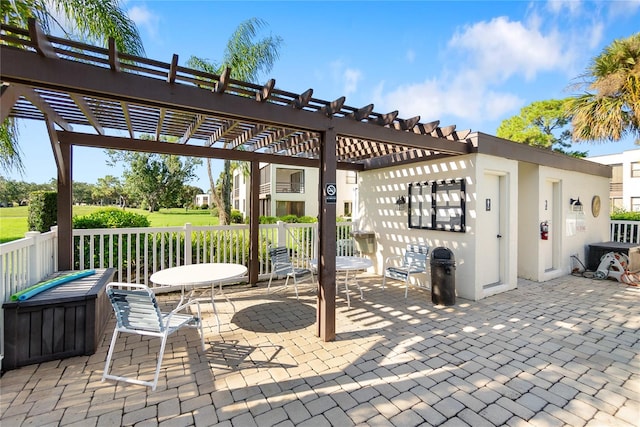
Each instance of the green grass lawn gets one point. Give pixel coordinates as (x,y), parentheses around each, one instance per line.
(13,221)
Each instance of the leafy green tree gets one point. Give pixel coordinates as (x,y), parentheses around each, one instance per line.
(82,193)
(156,180)
(247,58)
(609,108)
(541,124)
(91,20)
(108,190)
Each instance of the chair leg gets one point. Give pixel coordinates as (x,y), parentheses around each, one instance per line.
(110,354)
(160,356)
(406,287)
(384,280)
(269,285)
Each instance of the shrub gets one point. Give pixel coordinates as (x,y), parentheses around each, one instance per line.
(43,210)
(621,214)
(204,206)
(236,217)
(110,218)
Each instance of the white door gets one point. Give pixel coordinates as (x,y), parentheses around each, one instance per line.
(489,231)
(547,216)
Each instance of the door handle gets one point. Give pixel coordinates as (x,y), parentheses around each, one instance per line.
(499,236)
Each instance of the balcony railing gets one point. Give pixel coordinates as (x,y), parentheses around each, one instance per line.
(290,187)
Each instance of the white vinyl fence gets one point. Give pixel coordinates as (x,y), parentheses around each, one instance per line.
(137,253)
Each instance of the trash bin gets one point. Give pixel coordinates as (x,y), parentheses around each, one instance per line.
(443,277)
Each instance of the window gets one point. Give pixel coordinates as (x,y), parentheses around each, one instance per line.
(616,203)
(289,208)
(348,207)
(352,177)
(635,204)
(437,205)
(635,169)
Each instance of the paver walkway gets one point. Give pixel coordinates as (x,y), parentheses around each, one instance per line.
(564,352)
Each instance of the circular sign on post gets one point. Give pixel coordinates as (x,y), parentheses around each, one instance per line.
(330,192)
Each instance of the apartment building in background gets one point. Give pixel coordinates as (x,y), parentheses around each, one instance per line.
(292,190)
(624,187)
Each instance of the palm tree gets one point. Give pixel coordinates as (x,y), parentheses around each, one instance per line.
(247,58)
(93,20)
(610,107)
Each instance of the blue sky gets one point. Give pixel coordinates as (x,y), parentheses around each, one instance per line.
(468,63)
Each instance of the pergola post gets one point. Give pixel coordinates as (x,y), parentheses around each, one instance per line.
(254,223)
(65,209)
(326,312)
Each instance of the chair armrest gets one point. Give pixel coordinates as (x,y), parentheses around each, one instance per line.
(390,258)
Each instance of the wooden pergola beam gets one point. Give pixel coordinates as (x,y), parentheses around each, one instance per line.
(127,118)
(265,93)
(303,99)
(163,112)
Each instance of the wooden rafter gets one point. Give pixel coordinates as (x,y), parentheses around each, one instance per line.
(303,99)
(40,41)
(114,60)
(265,93)
(269,140)
(226,127)
(361,113)
(222,84)
(163,112)
(443,132)
(127,117)
(193,127)
(88,113)
(387,119)
(333,107)
(246,136)
(173,69)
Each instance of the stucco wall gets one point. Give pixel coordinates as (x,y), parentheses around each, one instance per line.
(378,191)
(520,191)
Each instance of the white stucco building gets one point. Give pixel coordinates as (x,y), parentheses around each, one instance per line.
(290,190)
(488,207)
(624,189)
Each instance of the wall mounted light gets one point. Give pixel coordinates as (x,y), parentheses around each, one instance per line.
(401,203)
(576,205)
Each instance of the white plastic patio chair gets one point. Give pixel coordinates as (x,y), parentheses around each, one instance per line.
(137,312)
(282,266)
(402,267)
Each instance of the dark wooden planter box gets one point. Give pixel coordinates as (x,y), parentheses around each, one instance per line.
(64,321)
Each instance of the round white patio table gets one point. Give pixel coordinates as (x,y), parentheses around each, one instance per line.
(349,265)
(193,276)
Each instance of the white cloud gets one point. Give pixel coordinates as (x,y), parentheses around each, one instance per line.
(502,48)
(351,79)
(345,77)
(573,7)
(145,19)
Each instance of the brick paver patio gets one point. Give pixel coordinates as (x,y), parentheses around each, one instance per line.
(564,352)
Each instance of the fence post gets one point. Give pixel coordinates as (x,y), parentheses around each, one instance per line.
(35,256)
(187,243)
(282,233)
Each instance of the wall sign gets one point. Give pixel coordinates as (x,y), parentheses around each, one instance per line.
(330,192)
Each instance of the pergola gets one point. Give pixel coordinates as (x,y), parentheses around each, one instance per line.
(116,98)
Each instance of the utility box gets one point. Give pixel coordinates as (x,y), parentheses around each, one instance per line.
(597,250)
(365,241)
